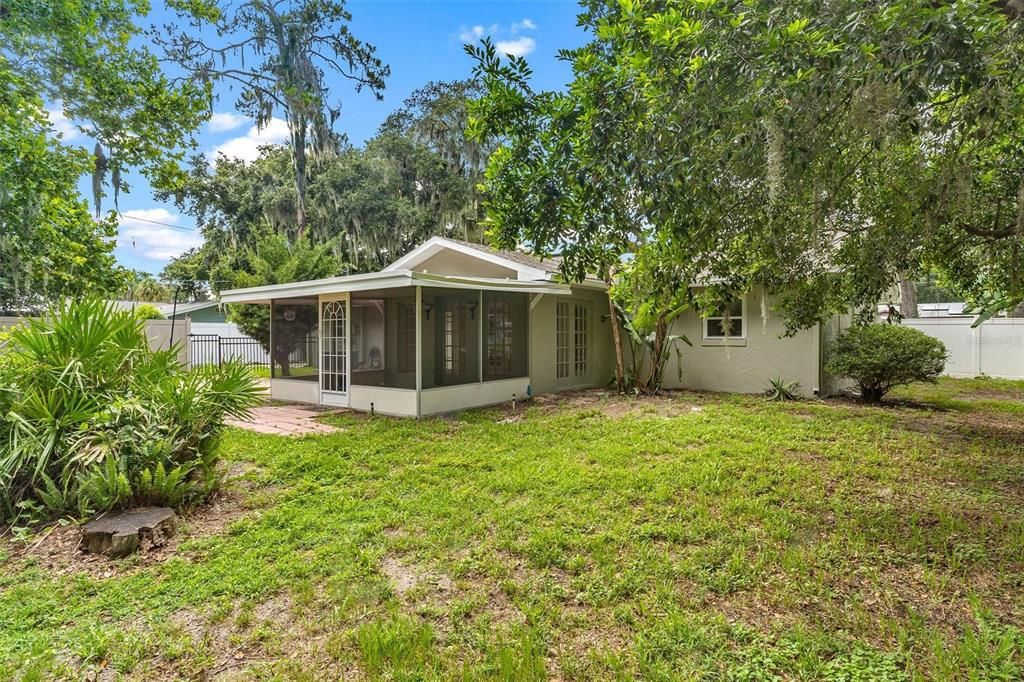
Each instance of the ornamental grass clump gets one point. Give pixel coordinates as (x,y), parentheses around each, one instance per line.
(879,357)
(92,419)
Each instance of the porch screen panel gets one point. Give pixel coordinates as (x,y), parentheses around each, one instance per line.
(406,336)
(333,347)
(505,335)
(292,340)
(454,340)
(451,337)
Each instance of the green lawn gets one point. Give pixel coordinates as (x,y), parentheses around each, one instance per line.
(264,372)
(690,537)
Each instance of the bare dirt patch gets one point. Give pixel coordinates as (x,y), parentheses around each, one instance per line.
(57,549)
(610,404)
(405,576)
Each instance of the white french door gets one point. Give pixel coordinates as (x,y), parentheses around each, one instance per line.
(572,343)
(334,352)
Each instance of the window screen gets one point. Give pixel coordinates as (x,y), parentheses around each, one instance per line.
(406,336)
(454,339)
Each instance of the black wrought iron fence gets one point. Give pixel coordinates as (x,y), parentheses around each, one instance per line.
(212,349)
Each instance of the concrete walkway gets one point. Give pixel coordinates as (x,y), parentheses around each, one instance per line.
(284,420)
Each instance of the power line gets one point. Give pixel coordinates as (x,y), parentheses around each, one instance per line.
(157,222)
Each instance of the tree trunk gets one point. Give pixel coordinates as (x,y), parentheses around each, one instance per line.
(282,361)
(620,373)
(1017,311)
(908,297)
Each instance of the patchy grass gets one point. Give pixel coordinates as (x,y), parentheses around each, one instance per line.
(591,537)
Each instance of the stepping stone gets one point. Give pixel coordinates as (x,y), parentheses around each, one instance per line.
(119,533)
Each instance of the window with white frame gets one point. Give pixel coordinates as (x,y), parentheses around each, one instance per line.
(572,340)
(726,321)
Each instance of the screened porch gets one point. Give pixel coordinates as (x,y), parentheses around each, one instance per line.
(443,345)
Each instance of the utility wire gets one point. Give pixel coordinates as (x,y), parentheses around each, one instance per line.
(157,222)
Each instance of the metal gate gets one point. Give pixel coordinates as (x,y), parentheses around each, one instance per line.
(211,349)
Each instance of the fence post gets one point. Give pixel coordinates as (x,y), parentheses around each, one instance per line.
(220,351)
(976,360)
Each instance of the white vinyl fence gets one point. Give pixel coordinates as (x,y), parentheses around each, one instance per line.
(994,348)
(158,332)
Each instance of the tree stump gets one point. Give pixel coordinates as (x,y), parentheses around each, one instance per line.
(118,534)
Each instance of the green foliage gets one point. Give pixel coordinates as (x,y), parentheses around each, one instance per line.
(817,150)
(142,286)
(650,292)
(281,57)
(147,311)
(371,205)
(879,357)
(50,245)
(782,390)
(273,261)
(92,418)
(90,57)
(184,274)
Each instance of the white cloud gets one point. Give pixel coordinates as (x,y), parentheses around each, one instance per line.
(153,240)
(247,147)
(519,47)
(62,125)
(472,34)
(508,39)
(526,24)
(222,121)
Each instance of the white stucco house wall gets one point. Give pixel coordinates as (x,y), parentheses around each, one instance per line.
(453,325)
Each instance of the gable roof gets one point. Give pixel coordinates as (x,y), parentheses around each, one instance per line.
(526,266)
(551,264)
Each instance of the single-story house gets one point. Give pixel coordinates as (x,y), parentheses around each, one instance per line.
(453,325)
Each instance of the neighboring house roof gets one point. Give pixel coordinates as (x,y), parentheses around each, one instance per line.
(166,308)
(187,308)
(951,309)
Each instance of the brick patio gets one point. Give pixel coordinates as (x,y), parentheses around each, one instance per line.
(285,420)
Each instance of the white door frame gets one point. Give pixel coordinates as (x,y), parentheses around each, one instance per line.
(335,398)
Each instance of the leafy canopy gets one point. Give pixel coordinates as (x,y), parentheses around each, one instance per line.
(50,246)
(279,55)
(817,149)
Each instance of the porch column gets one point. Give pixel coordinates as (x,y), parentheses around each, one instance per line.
(270,336)
(419,347)
(480,345)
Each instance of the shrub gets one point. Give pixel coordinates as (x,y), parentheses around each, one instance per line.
(148,311)
(92,419)
(878,357)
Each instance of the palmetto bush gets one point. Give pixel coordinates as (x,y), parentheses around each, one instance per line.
(92,419)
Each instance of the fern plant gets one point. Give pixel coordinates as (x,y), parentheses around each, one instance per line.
(86,407)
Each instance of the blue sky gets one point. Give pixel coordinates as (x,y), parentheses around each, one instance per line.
(420,39)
